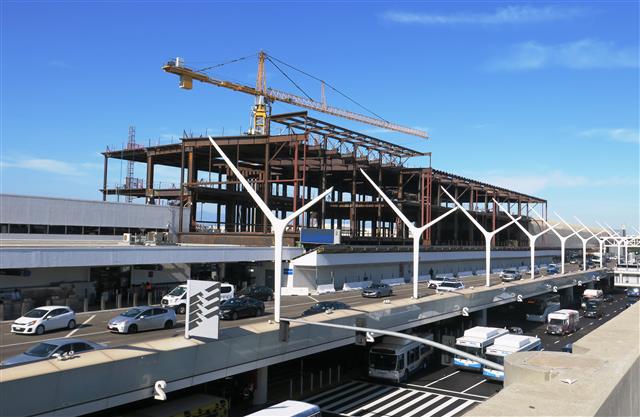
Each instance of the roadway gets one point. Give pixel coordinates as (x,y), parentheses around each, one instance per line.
(92,326)
(444,391)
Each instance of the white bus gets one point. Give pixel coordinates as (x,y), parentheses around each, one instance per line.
(506,345)
(474,341)
(394,358)
(538,308)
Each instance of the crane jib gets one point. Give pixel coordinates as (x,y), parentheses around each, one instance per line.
(187,75)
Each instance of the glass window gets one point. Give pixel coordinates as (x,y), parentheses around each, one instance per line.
(121,230)
(132,312)
(74,230)
(225,289)
(81,347)
(39,229)
(57,230)
(18,228)
(107,231)
(4,228)
(65,348)
(91,230)
(36,313)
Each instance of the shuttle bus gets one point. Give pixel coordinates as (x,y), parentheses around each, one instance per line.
(506,345)
(474,341)
(538,308)
(394,358)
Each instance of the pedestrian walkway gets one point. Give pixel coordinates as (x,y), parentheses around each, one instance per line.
(363,399)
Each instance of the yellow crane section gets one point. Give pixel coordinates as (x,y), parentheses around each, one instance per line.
(187,75)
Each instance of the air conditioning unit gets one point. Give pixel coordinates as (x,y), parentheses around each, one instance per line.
(128,238)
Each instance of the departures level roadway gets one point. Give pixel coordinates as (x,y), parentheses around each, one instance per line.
(92,326)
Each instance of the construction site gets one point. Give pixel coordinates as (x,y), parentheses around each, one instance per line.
(306,157)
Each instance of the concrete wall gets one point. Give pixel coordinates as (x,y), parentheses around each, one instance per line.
(20,209)
(115,376)
(44,277)
(604,369)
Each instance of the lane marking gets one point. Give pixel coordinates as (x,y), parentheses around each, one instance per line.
(314,299)
(557,341)
(72,332)
(447,390)
(444,377)
(473,386)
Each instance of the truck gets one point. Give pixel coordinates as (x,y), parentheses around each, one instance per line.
(563,322)
(592,301)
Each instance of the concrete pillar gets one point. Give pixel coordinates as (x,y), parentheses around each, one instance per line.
(567,295)
(260,394)
(480,318)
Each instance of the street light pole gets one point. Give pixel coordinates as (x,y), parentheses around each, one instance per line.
(416,232)
(487,236)
(532,237)
(278,226)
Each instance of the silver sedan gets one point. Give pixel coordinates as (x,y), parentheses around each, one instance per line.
(377,290)
(143,318)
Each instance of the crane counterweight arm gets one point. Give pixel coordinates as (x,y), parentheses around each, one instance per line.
(187,76)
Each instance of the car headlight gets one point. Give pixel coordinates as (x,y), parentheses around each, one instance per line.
(31,323)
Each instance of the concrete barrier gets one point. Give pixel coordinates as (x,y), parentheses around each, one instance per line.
(294,291)
(325,289)
(447,275)
(481,272)
(464,274)
(424,278)
(393,281)
(600,378)
(496,270)
(358,285)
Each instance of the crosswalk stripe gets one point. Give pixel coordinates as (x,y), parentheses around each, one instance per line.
(458,409)
(420,399)
(325,393)
(433,412)
(389,397)
(420,409)
(380,412)
(363,400)
(352,398)
(389,408)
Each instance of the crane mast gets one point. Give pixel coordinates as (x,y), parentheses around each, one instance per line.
(265,96)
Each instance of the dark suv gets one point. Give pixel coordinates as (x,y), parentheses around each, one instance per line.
(258,292)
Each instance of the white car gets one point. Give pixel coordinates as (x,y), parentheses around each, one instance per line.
(439,280)
(510,274)
(44,319)
(177,298)
(449,286)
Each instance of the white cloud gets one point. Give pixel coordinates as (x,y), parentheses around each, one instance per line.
(581,54)
(501,15)
(618,135)
(50,165)
(537,182)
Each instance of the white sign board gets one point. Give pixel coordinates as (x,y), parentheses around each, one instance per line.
(202,309)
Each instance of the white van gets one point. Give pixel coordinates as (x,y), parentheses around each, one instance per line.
(177,298)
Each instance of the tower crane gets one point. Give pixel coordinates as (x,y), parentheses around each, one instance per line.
(265,96)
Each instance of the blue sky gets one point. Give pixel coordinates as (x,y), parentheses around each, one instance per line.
(539,97)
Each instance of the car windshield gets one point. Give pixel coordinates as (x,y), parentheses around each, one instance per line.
(177,291)
(36,314)
(132,312)
(509,271)
(556,322)
(470,349)
(41,350)
(232,302)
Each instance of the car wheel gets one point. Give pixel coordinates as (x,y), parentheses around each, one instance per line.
(132,329)
(168,324)
(234,316)
(40,330)
(182,309)
(71,325)
(259,312)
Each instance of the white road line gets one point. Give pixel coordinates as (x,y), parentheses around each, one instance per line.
(440,407)
(314,299)
(416,411)
(408,404)
(338,388)
(458,409)
(381,390)
(72,332)
(473,386)
(335,401)
(444,377)
(447,390)
(378,401)
(394,402)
